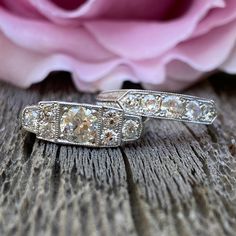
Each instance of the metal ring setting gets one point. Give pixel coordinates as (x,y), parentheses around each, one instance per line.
(161,105)
(81,124)
(118,117)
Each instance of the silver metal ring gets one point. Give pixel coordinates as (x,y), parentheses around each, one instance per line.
(81,124)
(162,105)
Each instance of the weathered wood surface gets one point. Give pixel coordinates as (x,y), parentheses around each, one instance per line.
(180,179)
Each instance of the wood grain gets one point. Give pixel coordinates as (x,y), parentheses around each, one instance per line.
(179,179)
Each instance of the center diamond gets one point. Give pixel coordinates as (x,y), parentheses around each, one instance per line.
(80,124)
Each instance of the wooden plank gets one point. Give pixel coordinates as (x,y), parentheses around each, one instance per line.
(48,189)
(179,179)
(184,174)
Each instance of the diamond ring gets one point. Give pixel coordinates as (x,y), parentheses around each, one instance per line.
(161,105)
(81,124)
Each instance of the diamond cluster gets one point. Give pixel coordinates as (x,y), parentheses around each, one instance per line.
(47,120)
(111,126)
(140,103)
(169,106)
(80,124)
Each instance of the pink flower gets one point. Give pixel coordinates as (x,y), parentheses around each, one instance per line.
(165,44)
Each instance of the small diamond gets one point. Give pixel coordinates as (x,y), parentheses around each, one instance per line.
(46,114)
(150,104)
(109,137)
(80,124)
(173,106)
(193,110)
(208,112)
(47,121)
(111,118)
(131,102)
(131,129)
(30,118)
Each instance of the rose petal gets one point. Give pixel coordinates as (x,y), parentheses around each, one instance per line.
(173,62)
(229,65)
(24,67)
(22,8)
(169,84)
(217,17)
(53,39)
(182,71)
(112,9)
(208,51)
(18,63)
(89,9)
(141,40)
(113,80)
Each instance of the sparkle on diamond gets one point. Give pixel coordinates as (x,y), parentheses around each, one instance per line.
(79,124)
(131,102)
(143,104)
(208,112)
(109,137)
(47,121)
(173,106)
(193,110)
(30,118)
(111,118)
(150,104)
(131,129)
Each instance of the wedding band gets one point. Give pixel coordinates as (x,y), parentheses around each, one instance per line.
(81,124)
(161,105)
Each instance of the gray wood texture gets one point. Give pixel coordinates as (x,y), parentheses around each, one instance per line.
(179,179)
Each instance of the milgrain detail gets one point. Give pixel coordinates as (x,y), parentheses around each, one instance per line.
(81,124)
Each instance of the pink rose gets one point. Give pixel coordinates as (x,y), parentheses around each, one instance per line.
(165,44)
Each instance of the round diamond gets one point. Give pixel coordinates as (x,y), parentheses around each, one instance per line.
(208,112)
(31,118)
(131,129)
(46,113)
(131,102)
(173,106)
(150,103)
(111,118)
(80,124)
(193,110)
(109,137)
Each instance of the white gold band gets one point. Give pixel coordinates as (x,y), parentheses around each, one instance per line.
(161,105)
(81,124)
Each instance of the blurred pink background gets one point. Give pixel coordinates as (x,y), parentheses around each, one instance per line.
(164,44)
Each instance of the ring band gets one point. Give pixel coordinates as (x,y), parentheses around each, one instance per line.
(161,105)
(117,118)
(81,124)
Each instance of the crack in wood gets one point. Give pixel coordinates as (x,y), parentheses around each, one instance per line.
(28,145)
(55,178)
(137,211)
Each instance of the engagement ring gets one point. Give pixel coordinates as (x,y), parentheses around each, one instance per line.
(81,124)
